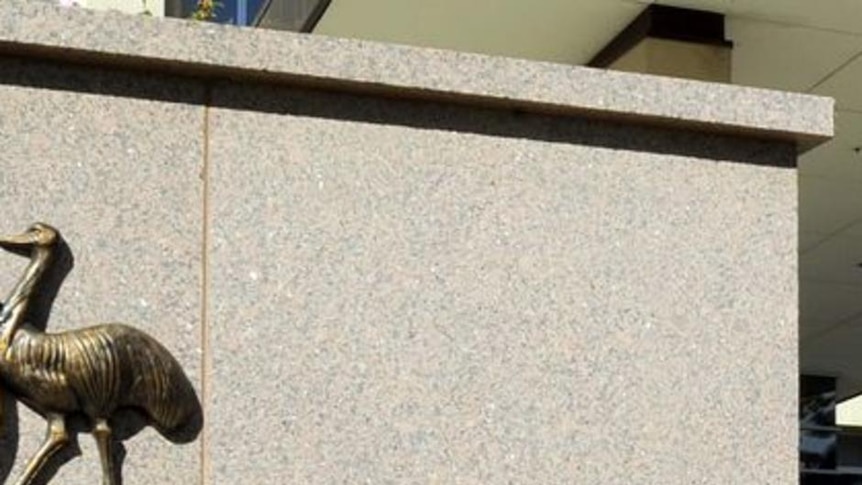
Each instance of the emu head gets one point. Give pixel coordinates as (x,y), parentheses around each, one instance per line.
(38,236)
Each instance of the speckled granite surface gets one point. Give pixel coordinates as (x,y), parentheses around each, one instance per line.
(392,301)
(370,290)
(208,49)
(119,176)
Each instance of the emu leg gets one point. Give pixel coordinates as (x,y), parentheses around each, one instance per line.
(102,433)
(55,438)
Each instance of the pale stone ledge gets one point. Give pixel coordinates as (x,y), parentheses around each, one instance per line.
(202,49)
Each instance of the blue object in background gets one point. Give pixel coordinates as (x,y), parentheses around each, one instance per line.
(236,12)
(289,15)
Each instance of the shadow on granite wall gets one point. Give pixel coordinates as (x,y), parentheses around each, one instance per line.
(315,103)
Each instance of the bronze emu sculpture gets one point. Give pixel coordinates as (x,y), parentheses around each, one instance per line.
(92,371)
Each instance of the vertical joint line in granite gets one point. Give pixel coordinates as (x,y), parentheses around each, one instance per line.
(205,226)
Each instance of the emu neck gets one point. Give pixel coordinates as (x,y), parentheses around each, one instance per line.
(15,305)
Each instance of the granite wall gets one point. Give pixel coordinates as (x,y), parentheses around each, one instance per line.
(373,287)
(411,293)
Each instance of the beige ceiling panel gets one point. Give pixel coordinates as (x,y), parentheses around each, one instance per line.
(833,161)
(722,6)
(809,239)
(836,260)
(552,30)
(845,86)
(154,7)
(828,303)
(841,158)
(856,229)
(812,330)
(836,353)
(828,205)
(784,57)
(828,346)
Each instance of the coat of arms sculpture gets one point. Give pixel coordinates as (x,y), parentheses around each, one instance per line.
(91,372)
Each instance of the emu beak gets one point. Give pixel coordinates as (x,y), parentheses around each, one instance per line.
(17,242)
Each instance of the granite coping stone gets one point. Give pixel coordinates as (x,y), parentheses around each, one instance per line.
(37,29)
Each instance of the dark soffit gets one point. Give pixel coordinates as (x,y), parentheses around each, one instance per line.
(664,22)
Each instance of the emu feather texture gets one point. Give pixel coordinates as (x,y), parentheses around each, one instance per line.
(93,371)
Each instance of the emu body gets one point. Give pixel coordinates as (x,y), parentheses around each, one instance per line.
(93,371)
